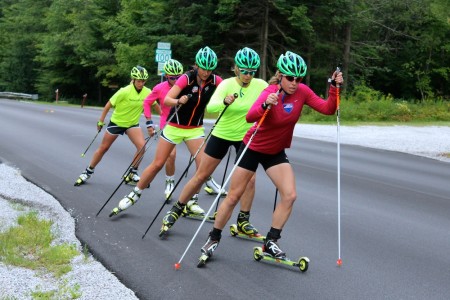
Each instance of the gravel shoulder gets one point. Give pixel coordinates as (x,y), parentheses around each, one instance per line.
(17,196)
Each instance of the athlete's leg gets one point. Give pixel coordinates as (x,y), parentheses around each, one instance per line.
(283,177)
(239,181)
(137,138)
(107,141)
(163,150)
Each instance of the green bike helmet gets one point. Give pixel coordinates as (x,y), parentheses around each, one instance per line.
(173,67)
(247,58)
(291,64)
(139,73)
(206,59)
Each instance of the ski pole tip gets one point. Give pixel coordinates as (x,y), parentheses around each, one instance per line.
(339,262)
(177,266)
(82,154)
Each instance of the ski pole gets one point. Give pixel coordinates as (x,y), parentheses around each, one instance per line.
(178,264)
(224,175)
(82,154)
(193,157)
(275,202)
(339,261)
(139,160)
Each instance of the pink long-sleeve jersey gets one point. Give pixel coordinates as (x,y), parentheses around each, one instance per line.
(276,130)
(158,94)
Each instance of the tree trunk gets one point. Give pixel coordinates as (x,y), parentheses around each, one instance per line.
(264,42)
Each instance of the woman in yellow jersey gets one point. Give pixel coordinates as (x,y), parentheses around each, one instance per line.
(128,107)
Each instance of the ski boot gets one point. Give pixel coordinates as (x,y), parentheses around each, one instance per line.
(84,177)
(132,177)
(207,251)
(169,189)
(271,252)
(126,202)
(170,218)
(212,188)
(193,211)
(245,230)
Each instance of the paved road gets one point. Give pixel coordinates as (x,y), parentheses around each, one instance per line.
(395,210)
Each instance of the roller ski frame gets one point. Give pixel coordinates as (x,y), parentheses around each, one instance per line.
(163,231)
(234,231)
(115,212)
(203,259)
(79,182)
(200,217)
(302,264)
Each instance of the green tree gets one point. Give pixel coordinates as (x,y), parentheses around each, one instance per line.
(20,32)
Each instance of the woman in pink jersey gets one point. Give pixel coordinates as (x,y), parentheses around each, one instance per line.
(172,71)
(188,97)
(285,97)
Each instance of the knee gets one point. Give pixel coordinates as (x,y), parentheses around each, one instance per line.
(157,165)
(201,177)
(172,157)
(231,200)
(103,148)
(290,198)
(251,183)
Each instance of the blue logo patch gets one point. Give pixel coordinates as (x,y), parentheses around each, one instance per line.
(288,107)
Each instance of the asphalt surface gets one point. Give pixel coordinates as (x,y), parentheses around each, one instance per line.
(394,217)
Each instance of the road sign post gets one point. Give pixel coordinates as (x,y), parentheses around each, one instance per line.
(163,53)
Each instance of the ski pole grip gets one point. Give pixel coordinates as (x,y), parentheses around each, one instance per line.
(235,95)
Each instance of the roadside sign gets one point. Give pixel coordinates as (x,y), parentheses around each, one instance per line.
(163,55)
(163,46)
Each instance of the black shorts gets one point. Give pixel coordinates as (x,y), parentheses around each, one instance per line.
(217,147)
(116,130)
(251,159)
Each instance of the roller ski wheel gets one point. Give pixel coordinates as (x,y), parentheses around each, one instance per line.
(234,231)
(79,182)
(163,231)
(302,264)
(202,260)
(115,212)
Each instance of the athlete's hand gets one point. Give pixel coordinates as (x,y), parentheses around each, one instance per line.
(150,128)
(272,99)
(229,99)
(337,79)
(183,99)
(100,125)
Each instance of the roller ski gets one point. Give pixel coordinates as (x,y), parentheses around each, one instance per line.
(170,218)
(131,178)
(84,177)
(270,252)
(212,188)
(193,211)
(126,202)
(250,235)
(207,251)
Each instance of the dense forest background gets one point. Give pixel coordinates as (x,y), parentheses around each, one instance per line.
(397,47)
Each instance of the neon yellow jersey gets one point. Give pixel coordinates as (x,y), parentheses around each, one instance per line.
(233,126)
(128,105)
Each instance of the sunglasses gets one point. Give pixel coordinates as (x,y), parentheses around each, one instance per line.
(292,78)
(247,72)
(173,77)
